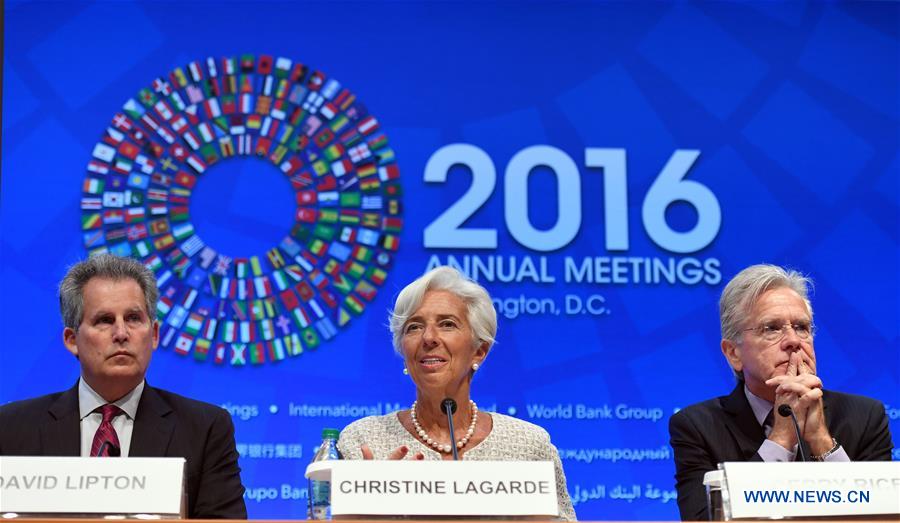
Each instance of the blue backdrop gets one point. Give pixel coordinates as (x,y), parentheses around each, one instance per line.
(602,168)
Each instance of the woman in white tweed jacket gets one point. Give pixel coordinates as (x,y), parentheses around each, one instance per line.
(443,326)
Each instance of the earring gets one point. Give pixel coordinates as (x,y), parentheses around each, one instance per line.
(405,371)
(474,367)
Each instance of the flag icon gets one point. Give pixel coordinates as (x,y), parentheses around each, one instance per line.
(201,349)
(92,186)
(354,304)
(91,221)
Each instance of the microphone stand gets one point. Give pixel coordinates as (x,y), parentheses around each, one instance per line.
(114,451)
(786,411)
(448,406)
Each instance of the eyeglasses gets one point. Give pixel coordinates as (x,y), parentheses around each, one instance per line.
(776,331)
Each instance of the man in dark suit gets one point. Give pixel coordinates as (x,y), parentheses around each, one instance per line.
(108,306)
(767,338)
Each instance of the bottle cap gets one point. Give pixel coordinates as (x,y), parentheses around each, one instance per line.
(330,433)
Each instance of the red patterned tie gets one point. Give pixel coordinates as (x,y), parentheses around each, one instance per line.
(106,433)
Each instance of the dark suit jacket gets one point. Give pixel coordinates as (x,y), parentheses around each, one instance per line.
(166,425)
(725,429)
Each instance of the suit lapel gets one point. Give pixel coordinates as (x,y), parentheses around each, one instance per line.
(747,432)
(61,429)
(153,426)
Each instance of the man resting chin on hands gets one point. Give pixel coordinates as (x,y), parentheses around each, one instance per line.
(767,338)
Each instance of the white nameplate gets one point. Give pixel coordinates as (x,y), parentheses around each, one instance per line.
(71,485)
(440,488)
(775,490)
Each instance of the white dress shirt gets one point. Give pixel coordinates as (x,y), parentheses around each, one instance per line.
(89,400)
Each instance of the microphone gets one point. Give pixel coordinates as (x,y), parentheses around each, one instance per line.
(448,407)
(786,411)
(114,451)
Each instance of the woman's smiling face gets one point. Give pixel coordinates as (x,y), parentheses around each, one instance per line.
(438,344)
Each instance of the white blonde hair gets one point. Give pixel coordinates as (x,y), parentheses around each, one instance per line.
(481,315)
(748,285)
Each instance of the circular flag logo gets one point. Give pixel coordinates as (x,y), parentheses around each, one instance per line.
(300,292)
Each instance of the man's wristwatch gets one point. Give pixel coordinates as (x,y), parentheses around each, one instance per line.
(821,457)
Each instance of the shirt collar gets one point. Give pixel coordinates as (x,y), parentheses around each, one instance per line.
(761,408)
(89,400)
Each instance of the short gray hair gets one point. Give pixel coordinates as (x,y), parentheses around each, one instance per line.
(108,266)
(481,315)
(748,285)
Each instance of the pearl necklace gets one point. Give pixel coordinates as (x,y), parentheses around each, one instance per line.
(432,442)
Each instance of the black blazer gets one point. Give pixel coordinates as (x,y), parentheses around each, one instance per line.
(725,429)
(166,425)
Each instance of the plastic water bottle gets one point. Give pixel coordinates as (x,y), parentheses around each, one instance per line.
(320,491)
